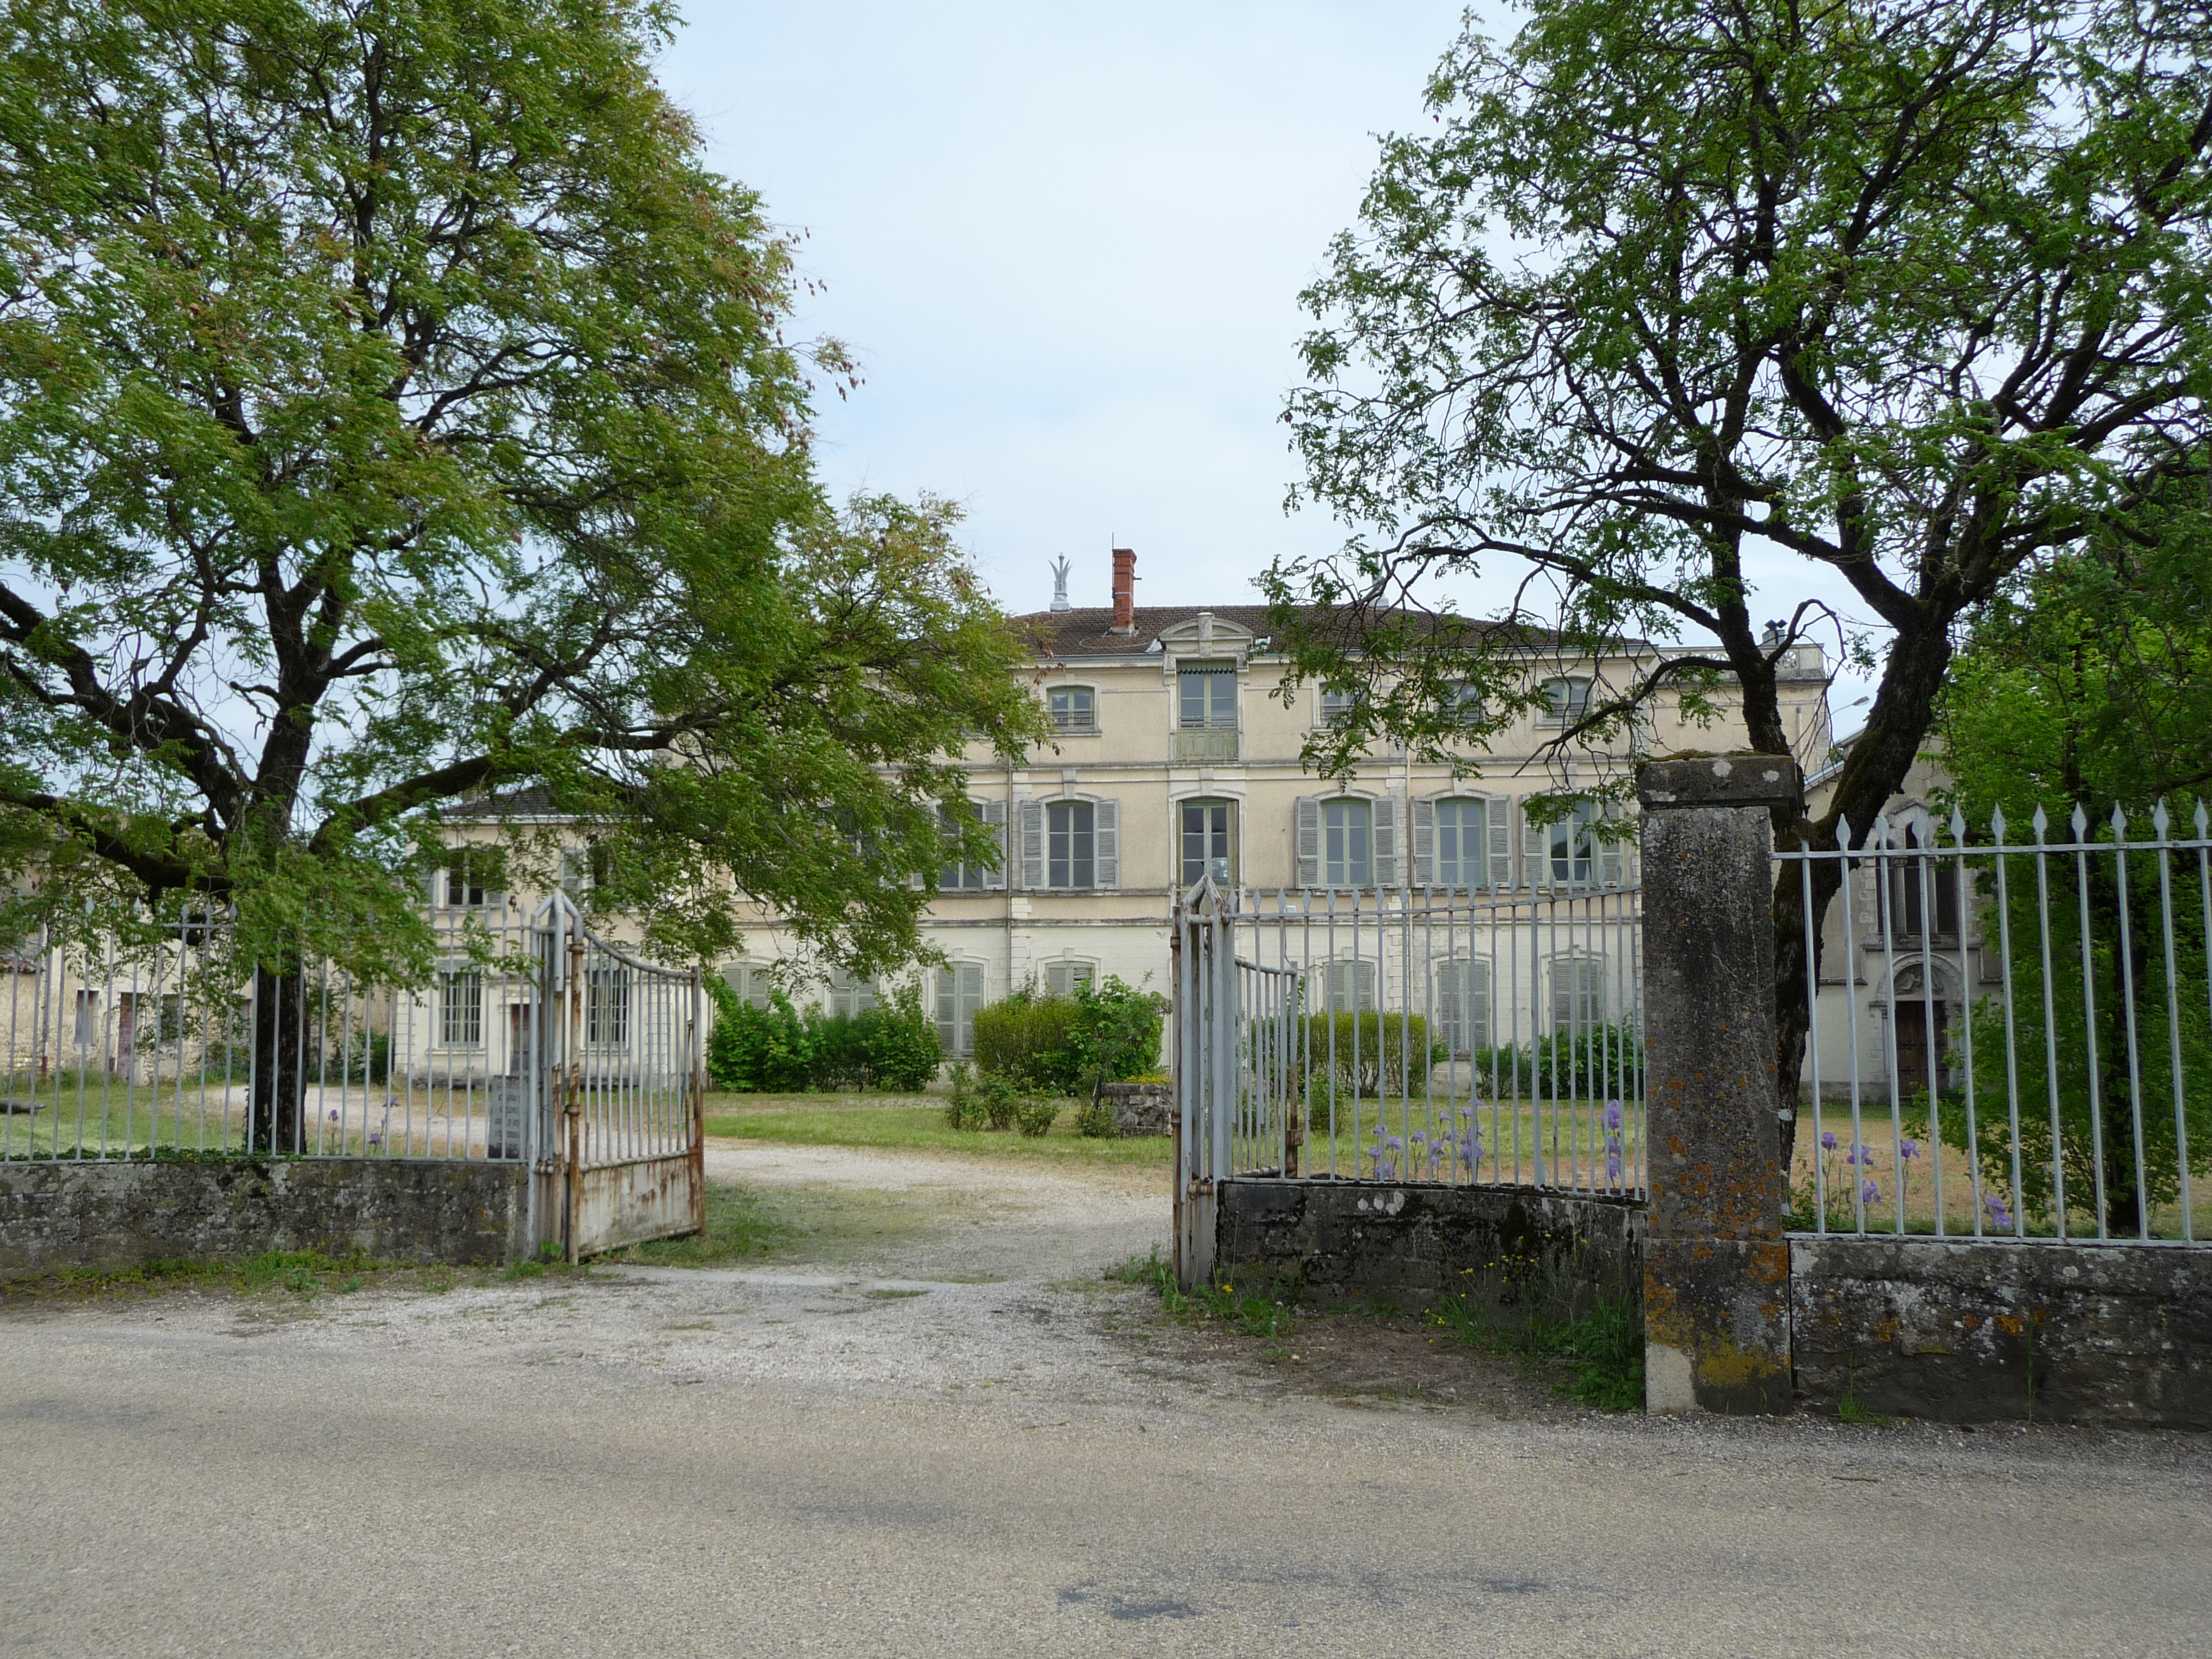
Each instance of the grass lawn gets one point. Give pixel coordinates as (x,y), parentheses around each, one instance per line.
(917,1122)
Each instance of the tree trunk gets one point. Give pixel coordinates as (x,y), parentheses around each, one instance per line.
(277,1091)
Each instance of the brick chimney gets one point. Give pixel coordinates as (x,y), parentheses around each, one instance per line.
(1125,590)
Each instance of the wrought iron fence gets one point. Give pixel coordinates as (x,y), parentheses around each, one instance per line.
(174,1041)
(2008,1037)
(1419,1035)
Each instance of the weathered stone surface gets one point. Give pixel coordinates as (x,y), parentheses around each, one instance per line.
(1972,1330)
(122,1215)
(1140,1109)
(1716,1272)
(1417,1239)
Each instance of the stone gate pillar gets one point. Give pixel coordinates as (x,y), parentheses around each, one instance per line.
(1715,1265)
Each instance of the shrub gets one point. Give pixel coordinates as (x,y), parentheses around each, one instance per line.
(1597,1062)
(1116,1034)
(891,1046)
(1025,1039)
(755,1050)
(999,1101)
(1375,1053)
(964,1110)
(1036,1116)
(1098,1120)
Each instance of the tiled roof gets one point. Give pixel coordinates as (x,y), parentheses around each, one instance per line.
(1088,631)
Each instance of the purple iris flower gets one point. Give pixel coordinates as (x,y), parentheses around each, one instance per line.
(1870,1193)
(1828,1141)
(1909,1147)
(1994,1207)
(376,1140)
(1613,1115)
(334,1118)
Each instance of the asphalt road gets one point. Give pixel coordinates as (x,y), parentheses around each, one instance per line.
(788,1463)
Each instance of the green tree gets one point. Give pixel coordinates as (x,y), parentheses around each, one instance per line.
(396,413)
(2088,683)
(1913,293)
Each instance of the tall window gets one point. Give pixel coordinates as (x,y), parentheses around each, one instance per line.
(1208,694)
(1066,978)
(1206,849)
(1463,1006)
(1349,987)
(464,888)
(460,1008)
(1073,707)
(1463,843)
(1336,702)
(751,984)
(1570,848)
(1566,701)
(1913,881)
(606,1007)
(1578,993)
(1071,844)
(960,995)
(1347,844)
(851,997)
(958,876)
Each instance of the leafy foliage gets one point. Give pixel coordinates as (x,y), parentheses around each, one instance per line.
(396,420)
(1676,294)
(1025,1039)
(1116,1034)
(1600,1062)
(778,1049)
(1106,1032)
(1365,1054)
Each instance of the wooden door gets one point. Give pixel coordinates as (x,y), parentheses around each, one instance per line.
(1916,1065)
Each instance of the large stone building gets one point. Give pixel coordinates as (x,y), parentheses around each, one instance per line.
(1174,753)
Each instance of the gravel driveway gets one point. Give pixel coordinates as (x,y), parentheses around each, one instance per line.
(929,1426)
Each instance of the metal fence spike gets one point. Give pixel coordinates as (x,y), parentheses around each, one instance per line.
(2160,818)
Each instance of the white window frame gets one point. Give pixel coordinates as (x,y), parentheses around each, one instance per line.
(954,1009)
(1061,976)
(1223,877)
(468,1012)
(1561,711)
(1086,724)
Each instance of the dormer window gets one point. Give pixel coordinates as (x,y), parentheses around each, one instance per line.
(1072,707)
(1206,696)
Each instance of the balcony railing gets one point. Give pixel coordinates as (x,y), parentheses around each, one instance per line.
(1205,744)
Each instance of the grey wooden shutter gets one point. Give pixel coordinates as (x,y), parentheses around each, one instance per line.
(1106,844)
(994,816)
(1535,852)
(1425,843)
(1386,841)
(948,1011)
(438,888)
(1612,856)
(1498,827)
(1032,837)
(1307,836)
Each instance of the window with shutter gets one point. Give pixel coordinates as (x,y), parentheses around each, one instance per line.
(1568,852)
(958,876)
(749,984)
(1348,987)
(1463,1006)
(1031,814)
(1424,815)
(1463,842)
(1578,993)
(1347,851)
(1305,839)
(849,996)
(1065,978)
(1386,841)
(1071,844)
(994,819)
(960,995)
(1106,830)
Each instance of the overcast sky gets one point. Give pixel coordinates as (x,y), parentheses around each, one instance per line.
(1066,245)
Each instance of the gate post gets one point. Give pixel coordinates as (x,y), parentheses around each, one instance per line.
(1715,1264)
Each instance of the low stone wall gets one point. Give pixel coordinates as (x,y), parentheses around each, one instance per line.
(1139,1108)
(1969,1331)
(1416,1239)
(122,1215)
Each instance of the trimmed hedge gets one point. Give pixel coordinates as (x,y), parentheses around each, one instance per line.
(1105,1033)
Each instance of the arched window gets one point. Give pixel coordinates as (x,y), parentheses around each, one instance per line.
(1566,699)
(1207,833)
(1065,977)
(1072,707)
(960,995)
(1463,1006)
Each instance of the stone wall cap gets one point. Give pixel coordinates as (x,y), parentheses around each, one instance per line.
(1738,780)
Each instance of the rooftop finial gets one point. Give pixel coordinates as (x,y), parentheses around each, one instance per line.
(1059,583)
